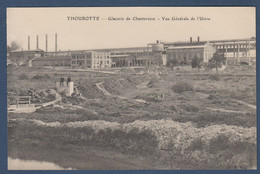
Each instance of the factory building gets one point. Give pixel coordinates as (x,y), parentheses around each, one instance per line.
(26,54)
(91,59)
(137,59)
(185,54)
(236,51)
(51,61)
(22,57)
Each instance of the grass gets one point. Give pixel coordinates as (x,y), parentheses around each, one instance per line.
(23,76)
(182,86)
(214,77)
(186,97)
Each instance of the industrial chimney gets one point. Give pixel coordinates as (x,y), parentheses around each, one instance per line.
(46,42)
(190,39)
(37,42)
(28,42)
(56,44)
(198,39)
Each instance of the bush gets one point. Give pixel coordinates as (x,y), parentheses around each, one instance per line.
(152,83)
(212,97)
(38,77)
(182,87)
(214,77)
(23,76)
(189,108)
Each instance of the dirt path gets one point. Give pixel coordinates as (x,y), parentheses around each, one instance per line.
(101,88)
(244,103)
(86,70)
(224,110)
(57,98)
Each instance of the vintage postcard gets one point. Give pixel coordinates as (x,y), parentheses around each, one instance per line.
(126,88)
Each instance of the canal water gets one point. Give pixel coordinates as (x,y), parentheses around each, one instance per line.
(18,164)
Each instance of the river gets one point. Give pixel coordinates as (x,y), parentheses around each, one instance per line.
(19,164)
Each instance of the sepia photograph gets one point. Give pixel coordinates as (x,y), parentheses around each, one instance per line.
(131,88)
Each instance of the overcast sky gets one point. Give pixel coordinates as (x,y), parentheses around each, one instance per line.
(224,23)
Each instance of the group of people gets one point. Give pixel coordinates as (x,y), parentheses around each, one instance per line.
(62,80)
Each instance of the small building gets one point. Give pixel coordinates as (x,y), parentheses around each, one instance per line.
(185,54)
(91,59)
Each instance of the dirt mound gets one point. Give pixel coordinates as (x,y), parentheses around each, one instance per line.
(89,90)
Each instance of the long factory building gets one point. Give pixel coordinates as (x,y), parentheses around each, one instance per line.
(158,53)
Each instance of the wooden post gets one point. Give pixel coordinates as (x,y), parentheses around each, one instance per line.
(249,52)
(226,53)
(238,50)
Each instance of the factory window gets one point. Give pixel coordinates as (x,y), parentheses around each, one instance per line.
(107,62)
(97,62)
(108,57)
(73,62)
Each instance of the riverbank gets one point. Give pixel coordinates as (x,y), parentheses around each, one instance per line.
(153,144)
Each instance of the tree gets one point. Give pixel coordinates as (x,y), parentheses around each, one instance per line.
(172,63)
(196,62)
(14,46)
(216,61)
(184,61)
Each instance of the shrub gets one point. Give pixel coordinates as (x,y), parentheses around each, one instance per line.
(214,77)
(219,143)
(152,83)
(182,87)
(23,76)
(189,108)
(212,97)
(39,76)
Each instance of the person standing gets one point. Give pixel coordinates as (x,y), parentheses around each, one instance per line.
(68,80)
(61,80)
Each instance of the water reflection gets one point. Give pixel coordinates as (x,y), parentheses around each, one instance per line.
(18,164)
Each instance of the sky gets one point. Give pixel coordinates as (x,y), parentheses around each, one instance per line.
(223,23)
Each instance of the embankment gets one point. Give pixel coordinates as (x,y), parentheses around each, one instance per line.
(216,146)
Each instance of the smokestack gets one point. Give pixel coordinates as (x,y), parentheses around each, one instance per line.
(37,42)
(46,42)
(198,39)
(56,45)
(190,39)
(28,42)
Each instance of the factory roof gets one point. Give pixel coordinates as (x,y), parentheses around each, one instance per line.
(188,46)
(119,56)
(54,58)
